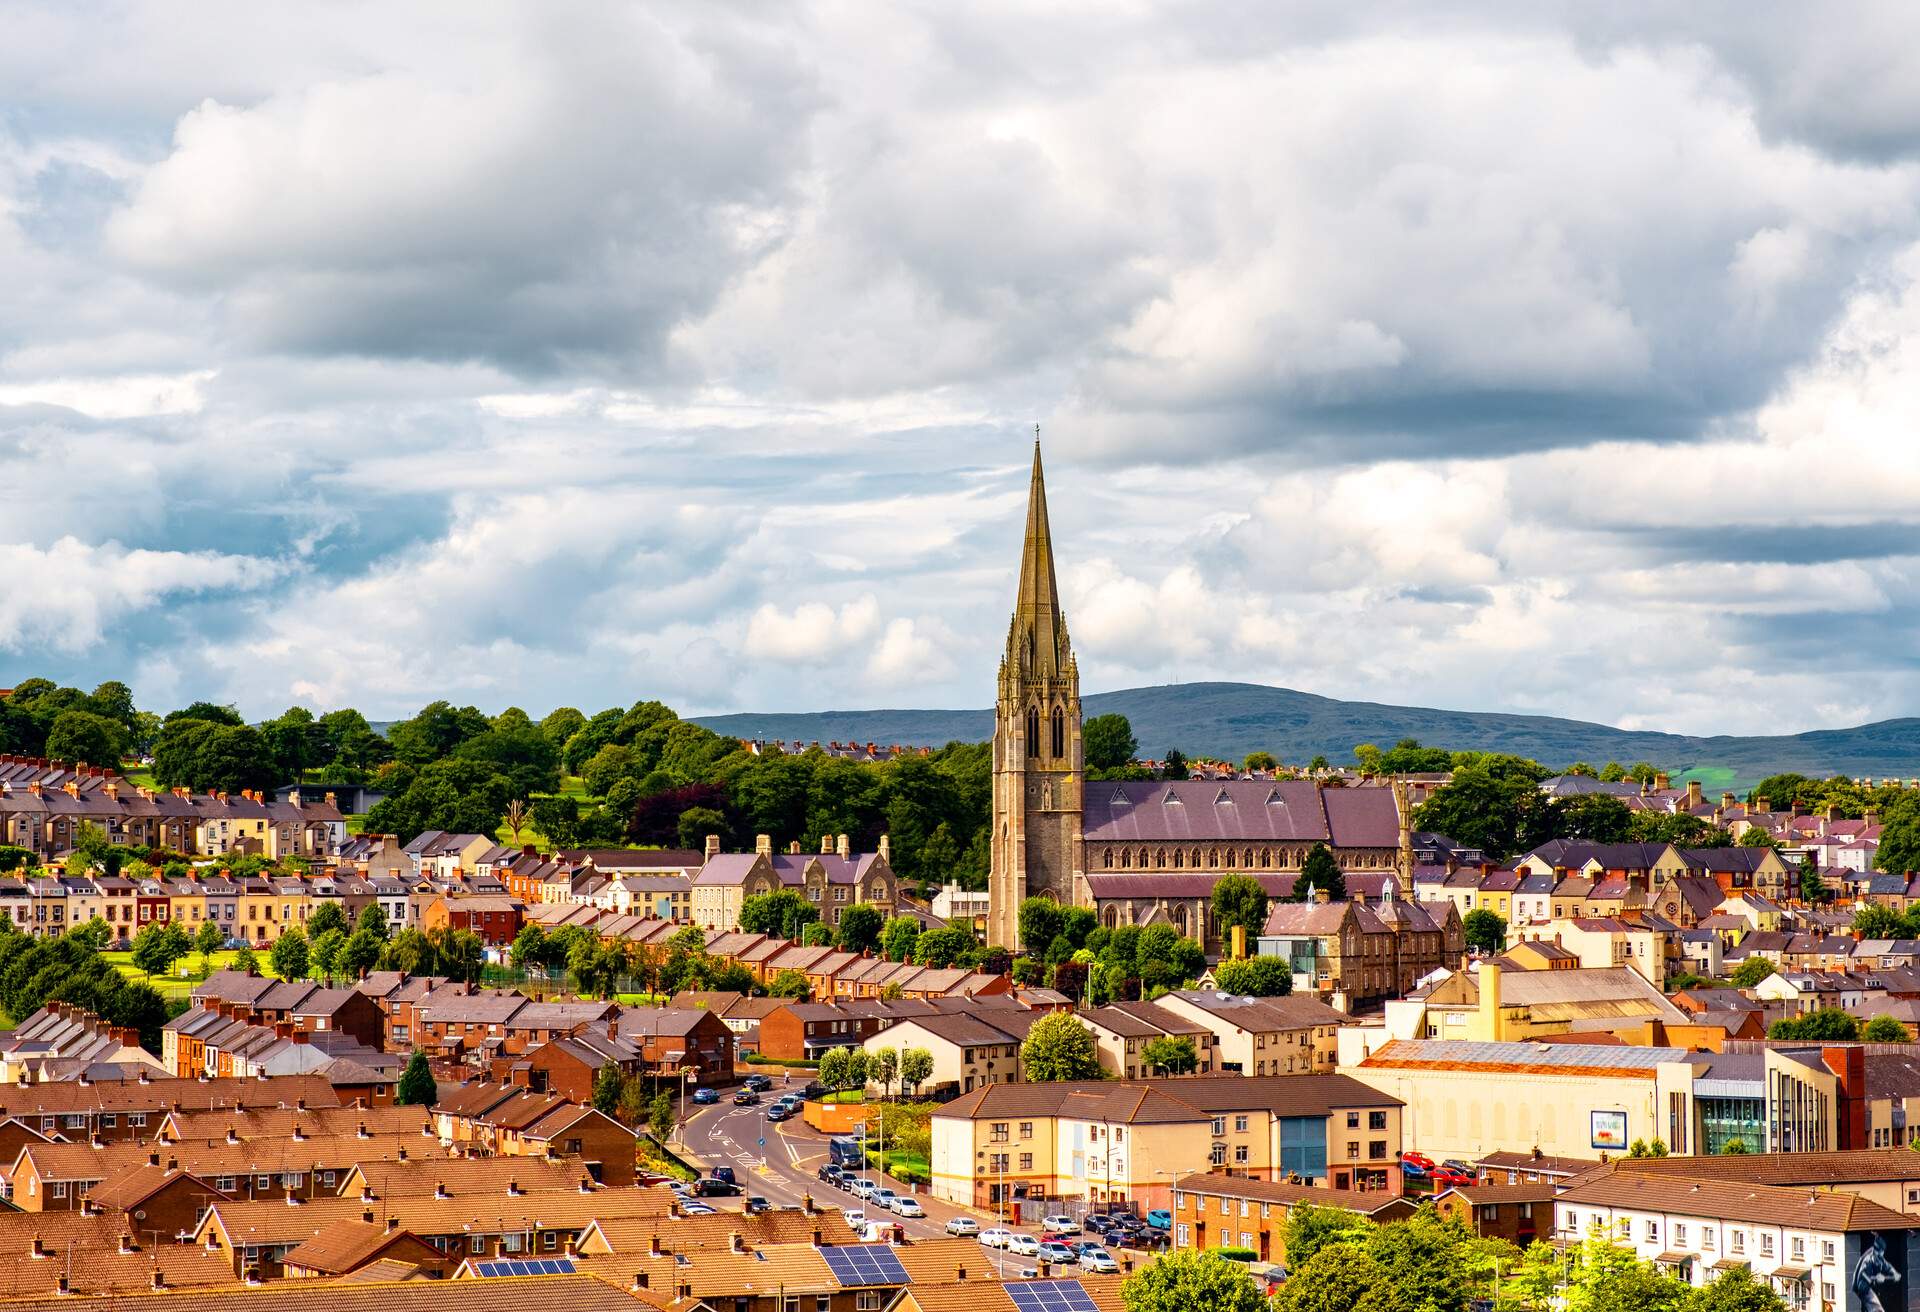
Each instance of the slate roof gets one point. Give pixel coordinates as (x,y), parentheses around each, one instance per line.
(1237,810)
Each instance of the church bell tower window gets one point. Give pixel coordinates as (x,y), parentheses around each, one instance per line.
(1033,732)
(1059,734)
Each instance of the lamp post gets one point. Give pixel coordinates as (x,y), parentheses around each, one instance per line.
(680,1127)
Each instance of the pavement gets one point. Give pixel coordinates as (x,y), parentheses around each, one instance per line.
(779,1162)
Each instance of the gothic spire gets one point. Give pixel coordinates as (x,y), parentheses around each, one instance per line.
(1039,633)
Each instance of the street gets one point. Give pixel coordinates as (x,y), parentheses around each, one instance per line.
(725,1135)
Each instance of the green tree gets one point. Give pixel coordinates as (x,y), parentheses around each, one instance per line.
(1040,919)
(359,954)
(857,1068)
(1339,1278)
(1825,1023)
(1174,765)
(1259,761)
(860,927)
(1239,900)
(884,1066)
(208,941)
(1493,802)
(1733,1290)
(916,1067)
(155,950)
(289,955)
(607,1085)
(1109,742)
(1187,1279)
(1593,816)
(1751,971)
(1255,977)
(660,1118)
(1758,837)
(323,952)
(373,920)
(417,1087)
(1486,930)
(1884,1029)
(83,736)
(1171,1054)
(942,948)
(244,960)
(696,822)
(328,915)
(898,937)
(1311,1227)
(1320,872)
(1059,1047)
(1812,890)
(783,914)
(790,984)
(833,1068)
(529,950)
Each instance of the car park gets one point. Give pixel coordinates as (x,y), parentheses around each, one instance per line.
(1099,1261)
(908,1207)
(963,1227)
(706,1097)
(1024,1246)
(1059,1253)
(996,1237)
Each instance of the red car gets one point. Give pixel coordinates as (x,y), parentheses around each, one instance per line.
(1420,1160)
(1446,1178)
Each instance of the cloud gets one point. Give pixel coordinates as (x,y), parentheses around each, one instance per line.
(63,597)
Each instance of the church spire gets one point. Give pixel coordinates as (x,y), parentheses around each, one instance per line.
(1039,631)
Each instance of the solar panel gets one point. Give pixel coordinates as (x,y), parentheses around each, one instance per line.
(1050,1296)
(543,1266)
(864,1264)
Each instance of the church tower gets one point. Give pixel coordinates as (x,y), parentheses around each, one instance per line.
(1038,771)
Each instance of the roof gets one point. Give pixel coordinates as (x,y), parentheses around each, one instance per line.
(1216,1184)
(1789,1170)
(1534,1058)
(1736,1201)
(1255,810)
(1195,1097)
(575,1293)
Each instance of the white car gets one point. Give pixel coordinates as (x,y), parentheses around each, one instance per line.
(1099,1261)
(883,1198)
(1058,1222)
(697,1209)
(908,1207)
(964,1227)
(862,1189)
(1024,1246)
(994,1238)
(854,1217)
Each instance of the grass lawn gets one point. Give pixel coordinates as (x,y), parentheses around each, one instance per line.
(140,776)
(176,985)
(911,1167)
(571,785)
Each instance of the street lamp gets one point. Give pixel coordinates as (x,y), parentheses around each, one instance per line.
(680,1127)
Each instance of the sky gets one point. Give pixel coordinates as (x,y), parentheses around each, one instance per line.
(1535,357)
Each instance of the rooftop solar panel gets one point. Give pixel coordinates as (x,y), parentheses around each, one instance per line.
(864,1264)
(544,1266)
(1050,1296)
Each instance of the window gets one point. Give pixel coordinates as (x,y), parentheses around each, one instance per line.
(869,1300)
(57,1189)
(997,1162)
(224,1183)
(1219,1155)
(550,1240)
(1679,1234)
(1353,1120)
(1376,1120)
(1240,1155)
(1799,1248)
(1026,1161)
(1185,1237)
(1239,1125)
(1376,1150)
(999,1132)
(1219,1125)
(1653,1232)
(823,1303)
(1766,1243)
(1826,1250)
(1026,1129)
(1736,1241)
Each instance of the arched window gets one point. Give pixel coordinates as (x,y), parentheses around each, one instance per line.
(1033,731)
(1059,734)
(1126,858)
(1107,858)
(1196,858)
(1176,858)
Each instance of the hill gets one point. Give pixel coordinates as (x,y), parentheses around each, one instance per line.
(1232,719)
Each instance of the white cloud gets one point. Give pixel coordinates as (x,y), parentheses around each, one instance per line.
(115,398)
(63,597)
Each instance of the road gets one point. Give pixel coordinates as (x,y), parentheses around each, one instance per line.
(785,1170)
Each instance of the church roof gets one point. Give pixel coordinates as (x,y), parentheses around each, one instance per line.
(1286,810)
(1039,630)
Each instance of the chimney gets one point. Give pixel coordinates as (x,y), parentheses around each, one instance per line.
(1320,896)
(1763,804)
(440,1190)
(793,848)
(844,846)
(126,1242)
(738,1242)
(366,1215)
(1693,793)
(39,1246)
(63,1285)
(826,845)
(1832,811)
(1490,1002)
(885,849)
(763,844)
(1726,801)
(393,1223)
(1870,818)
(713,846)
(640,1280)
(159,1280)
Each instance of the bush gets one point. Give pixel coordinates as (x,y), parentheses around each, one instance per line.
(1236,1254)
(761,1059)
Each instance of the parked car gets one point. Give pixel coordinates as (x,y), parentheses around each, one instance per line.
(863,1188)
(963,1227)
(1413,1170)
(746,1098)
(1455,1164)
(830,1173)
(1418,1160)
(1059,1221)
(997,1237)
(1098,1260)
(1097,1223)
(724,1173)
(698,1209)
(1024,1246)
(755,1206)
(756,1083)
(854,1217)
(1059,1253)
(777,1113)
(706,1097)
(883,1197)
(1448,1178)
(717,1189)
(908,1207)
(1160,1219)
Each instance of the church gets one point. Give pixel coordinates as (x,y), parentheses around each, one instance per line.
(1145,852)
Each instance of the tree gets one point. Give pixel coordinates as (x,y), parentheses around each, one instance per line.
(943,948)
(916,1066)
(860,927)
(1825,1023)
(1171,1054)
(1320,872)
(1758,837)
(1239,900)
(783,914)
(372,920)
(1812,889)
(833,1068)
(1593,816)
(1259,762)
(1255,977)
(529,950)
(1493,802)
(884,1067)
(1751,971)
(244,960)
(1192,1278)
(83,736)
(417,1087)
(1109,742)
(696,823)
(1058,1047)
(790,984)
(328,915)
(607,1087)
(660,1116)
(323,952)
(516,818)
(155,950)
(207,942)
(1337,1278)
(1040,919)
(1884,1029)
(898,937)
(1734,1290)
(856,1068)
(1311,1228)
(360,953)
(289,955)
(1174,764)
(1486,930)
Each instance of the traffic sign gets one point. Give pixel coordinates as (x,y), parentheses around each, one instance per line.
(763,1141)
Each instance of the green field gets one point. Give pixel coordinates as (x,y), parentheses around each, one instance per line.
(177,985)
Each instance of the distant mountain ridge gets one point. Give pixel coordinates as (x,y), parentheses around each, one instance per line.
(1232,719)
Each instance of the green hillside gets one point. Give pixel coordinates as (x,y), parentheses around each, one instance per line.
(1232,719)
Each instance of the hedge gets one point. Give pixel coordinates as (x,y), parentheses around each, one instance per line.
(798,1063)
(1236,1254)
